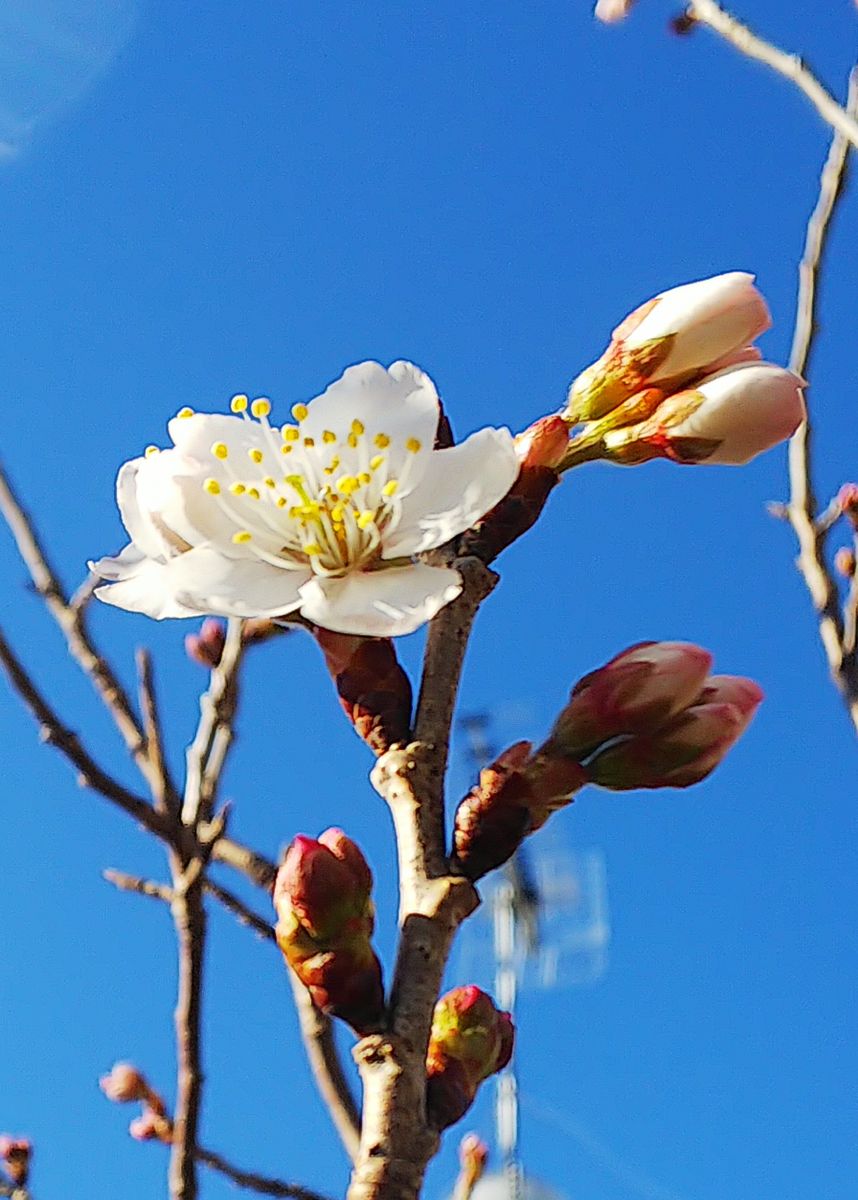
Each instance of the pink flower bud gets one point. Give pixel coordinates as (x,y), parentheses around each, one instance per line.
(473,1156)
(636,692)
(151,1126)
(544,443)
(326,890)
(847,498)
(611,11)
(674,338)
(844,562)
(16,1155)
(685,750)
(206,646)
(470,1040)
(124,1084)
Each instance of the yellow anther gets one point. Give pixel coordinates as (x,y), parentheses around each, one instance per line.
(269,482)
(255,455)
(352,440)
(376,461)
(347,484)
(151,451)
(238,403)
(339,527)
(282,501)
(358,428)
(381,440)
(364,478)
(212,487)
(300,412)
(390,488)
(285,449)
(328,436)
(237,489)
(337,513)
(310,510)
(242,537)
(220,450)
(253,493)
(185,412)
(413,445)
(289,433)
(260,407)
(312,548)
(366,518)
(309,441)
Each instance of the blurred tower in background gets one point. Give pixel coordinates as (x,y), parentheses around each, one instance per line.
(543,923)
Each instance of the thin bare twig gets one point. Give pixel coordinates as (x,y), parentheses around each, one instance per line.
(256,1183)
(164,792)
(324,1059)
(250,863)
(70,617)
(142,887)
(190,920)
(790,66)
(55,733)
(811,531)
(206,755)
(243,914)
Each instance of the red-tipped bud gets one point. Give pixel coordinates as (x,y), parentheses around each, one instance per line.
(374,691)
(206,646)
(844,562)
(124,1084)
(323,902)
(470,1040)
(635,693)
(16,1155)
(685,750)
(514,796)
(473,1157)
(544,443)
(847,498)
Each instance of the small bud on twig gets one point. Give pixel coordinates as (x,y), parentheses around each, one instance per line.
(374,691)
(470,1040)
(16,1154)
(206,646)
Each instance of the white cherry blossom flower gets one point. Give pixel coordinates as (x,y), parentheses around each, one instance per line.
(326,515)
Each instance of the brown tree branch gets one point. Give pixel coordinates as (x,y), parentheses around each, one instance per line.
(164,792)
(142,887)
(250,1180)
(190,920)
(812,532)
(243,914)
(206,756)
(55,733)
(324,1059)
(250,863)
(790,66)
(70,617)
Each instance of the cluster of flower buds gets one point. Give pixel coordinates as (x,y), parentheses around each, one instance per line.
(651,717)
(125,1084)
(470,1040)
(16,1154)
(681,380)
(325,921)
(374,691)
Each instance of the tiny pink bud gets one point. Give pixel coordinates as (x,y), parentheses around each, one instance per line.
(473,1154)
(611,11)
(151,1127)
(124,1084)
(844,562)
(16,1154)
(206,646)
(544,443)
(470,1040)
(350,855)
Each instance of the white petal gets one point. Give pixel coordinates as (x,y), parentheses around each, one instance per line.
(198,583)
(144,533)
(196,435)
(385,603)
(458,487)
(400,401)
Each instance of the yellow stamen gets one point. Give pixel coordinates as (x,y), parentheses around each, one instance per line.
(412,445)
(242,537)
(390,488)
(184,413)
(285,449)
(309,441)
(151,451)
(220,450)
(312,548)
(376,461)
(352,440)
(282,501)
(381,440)
(364,478)
(366,518)
(289,433)
(237,489)
(328,436)
(358,428)
(269,482)
(255,456)
(300,412)
(253,493)
(347,484)
(238,403)
(212,487)
(260,407)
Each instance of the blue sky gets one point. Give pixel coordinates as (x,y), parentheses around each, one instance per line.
(197,200)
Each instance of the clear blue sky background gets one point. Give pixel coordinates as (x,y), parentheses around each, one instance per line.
(197,199)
